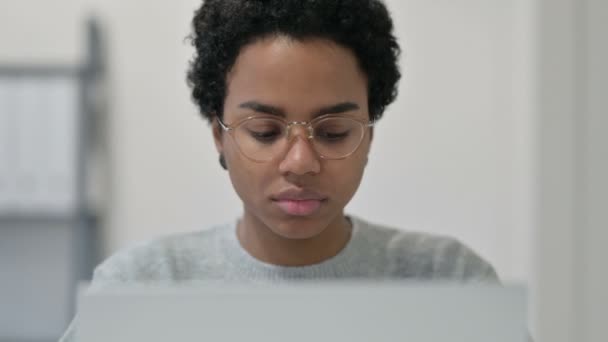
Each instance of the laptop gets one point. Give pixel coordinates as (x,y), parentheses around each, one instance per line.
(353,312)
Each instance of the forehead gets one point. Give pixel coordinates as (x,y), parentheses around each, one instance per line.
(297,75)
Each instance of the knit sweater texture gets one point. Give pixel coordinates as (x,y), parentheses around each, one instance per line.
(373,252)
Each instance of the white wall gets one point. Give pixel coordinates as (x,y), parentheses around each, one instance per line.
(454,155)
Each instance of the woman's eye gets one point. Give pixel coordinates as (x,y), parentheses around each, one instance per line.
(332,136)
(265,136)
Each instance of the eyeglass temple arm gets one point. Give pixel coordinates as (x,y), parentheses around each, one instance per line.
(222,124)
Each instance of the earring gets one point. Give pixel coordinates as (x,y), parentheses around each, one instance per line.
(223,162)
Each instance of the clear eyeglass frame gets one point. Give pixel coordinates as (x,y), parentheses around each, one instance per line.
(309,125)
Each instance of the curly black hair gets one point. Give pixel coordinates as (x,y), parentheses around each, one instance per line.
(222,27)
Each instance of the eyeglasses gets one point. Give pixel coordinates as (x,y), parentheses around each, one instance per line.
(263,138)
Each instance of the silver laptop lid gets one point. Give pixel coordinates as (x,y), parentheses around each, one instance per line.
(304,313)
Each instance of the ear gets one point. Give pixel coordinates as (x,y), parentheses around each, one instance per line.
(369,145)
(217,136)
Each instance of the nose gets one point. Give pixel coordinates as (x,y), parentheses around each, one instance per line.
(300,157)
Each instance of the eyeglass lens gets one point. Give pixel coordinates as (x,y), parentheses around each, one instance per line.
(264,138)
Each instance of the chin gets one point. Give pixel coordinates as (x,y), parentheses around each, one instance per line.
(299,228)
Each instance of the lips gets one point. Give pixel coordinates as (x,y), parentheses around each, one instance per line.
(299,202)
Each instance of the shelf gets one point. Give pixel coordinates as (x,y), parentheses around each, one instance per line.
(13,219)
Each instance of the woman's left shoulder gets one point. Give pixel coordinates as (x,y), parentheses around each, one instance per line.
(426,256)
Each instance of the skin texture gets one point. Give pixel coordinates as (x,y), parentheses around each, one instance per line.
(298,77)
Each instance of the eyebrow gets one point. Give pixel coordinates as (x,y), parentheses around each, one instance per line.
(338,108)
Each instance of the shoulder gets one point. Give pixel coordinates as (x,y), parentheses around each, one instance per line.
(167,258)
(425,256)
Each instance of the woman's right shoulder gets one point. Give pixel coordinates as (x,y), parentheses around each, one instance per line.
(161,259)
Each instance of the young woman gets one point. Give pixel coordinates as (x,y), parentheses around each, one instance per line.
(292,89)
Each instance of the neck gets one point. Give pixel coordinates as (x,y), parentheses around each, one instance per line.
(264,244)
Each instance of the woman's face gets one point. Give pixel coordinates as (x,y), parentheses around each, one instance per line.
(297,195)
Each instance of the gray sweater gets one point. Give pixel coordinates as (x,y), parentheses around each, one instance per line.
(373,252)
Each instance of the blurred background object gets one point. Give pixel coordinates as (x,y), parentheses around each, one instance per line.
(572,234)
(51,172)
(497,138)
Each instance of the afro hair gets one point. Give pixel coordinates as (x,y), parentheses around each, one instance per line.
(220,28)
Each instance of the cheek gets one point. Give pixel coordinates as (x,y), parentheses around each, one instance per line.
(352,173)
(344,177)
(248,178)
